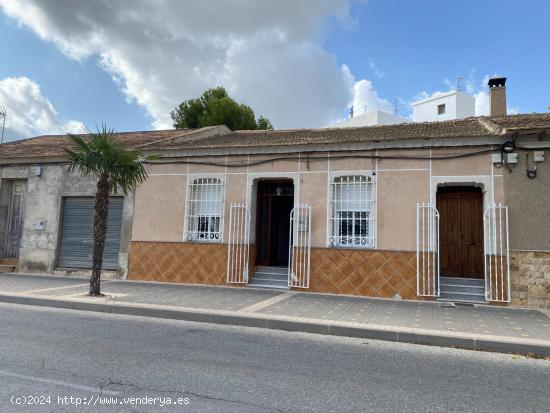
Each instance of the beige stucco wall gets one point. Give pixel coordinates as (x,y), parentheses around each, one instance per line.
(401,184)
(398,194)
(472,165)
(313,191)
(529,205)
(198,169)
(159,208)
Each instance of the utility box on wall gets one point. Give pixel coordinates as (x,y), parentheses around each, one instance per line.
(538,156)
(39,225)
(512,158)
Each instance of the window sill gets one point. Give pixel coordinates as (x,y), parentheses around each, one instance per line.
(189,241)
(352,247)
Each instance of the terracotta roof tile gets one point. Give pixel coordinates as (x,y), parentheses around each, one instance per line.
(534,121)
(206,138)
(54,145)
(429,130)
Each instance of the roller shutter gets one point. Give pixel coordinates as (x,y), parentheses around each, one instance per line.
(75,247)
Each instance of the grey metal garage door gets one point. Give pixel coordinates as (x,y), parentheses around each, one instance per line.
(75,248)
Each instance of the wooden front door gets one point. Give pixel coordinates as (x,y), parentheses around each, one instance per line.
(461,231)
(274,203)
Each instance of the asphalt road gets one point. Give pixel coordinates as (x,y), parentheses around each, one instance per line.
(99,357)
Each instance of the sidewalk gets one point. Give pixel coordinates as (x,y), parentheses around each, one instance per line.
(473,327)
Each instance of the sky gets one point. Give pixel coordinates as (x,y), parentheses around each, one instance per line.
(70,64)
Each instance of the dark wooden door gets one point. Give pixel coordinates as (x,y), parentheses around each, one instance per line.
(461,232)
(274,203)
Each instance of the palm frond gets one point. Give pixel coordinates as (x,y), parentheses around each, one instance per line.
(102,154)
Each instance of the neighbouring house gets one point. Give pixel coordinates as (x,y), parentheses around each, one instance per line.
(46,211)
(450,105)
(372,118)
(452,210)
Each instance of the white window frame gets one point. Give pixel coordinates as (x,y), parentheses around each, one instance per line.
(192,221)
(335,240)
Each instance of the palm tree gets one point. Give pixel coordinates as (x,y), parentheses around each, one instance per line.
(102,155)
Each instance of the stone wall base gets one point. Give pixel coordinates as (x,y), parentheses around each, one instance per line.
(385,274)
(530,279)
(178,262)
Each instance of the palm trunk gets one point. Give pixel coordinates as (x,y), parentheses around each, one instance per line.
(99,233)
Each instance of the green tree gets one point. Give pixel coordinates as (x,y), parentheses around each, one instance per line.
(102,155)
(216,107)
(264,123)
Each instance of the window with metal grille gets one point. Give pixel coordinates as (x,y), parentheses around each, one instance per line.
(352,212)
(205,210)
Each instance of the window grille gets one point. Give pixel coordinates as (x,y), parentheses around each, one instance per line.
(205,210)
(352,212)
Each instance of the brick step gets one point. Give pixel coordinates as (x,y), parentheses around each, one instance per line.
(463,289)
(465,298)
(461,281)
(8,261)
(272,270)
(270,276)
(7,268)
(273,284)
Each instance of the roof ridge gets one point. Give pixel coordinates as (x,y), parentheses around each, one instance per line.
(190,135)
(161,140)
(489,124)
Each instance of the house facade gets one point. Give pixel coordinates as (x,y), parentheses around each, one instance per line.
(412,211)
(453,210)
(46,210)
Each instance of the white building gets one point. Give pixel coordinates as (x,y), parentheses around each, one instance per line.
(373,118)
(444,106)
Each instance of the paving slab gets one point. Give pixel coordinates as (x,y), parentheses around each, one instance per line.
(10,282)
(188,296)
(478,327)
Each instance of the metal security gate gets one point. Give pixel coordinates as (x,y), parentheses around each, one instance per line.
(299,252)
(15,218)
(497,253)
(238,248)
(427,250)
(76,243)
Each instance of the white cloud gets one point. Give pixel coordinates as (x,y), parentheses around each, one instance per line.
(29,113)
(377,72)
(364,96)
(267,54)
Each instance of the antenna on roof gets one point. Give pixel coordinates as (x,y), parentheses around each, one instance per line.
(395,106)
(458,87)
(3,115)
(351,112)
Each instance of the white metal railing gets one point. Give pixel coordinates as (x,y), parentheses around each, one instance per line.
(238,248)
(427,250)
(299,252)
(496,253)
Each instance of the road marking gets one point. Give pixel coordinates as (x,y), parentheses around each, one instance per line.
(266,303)
(58,383)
